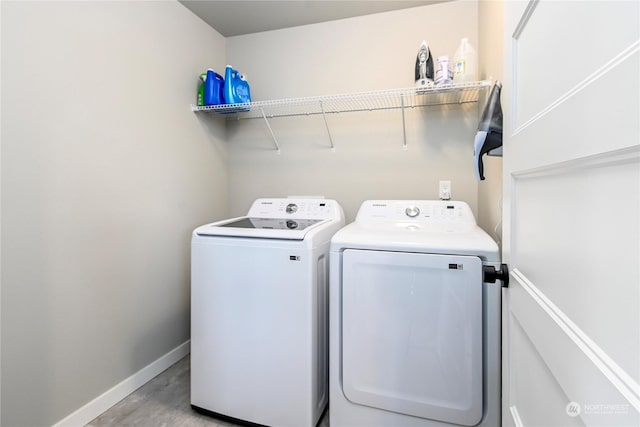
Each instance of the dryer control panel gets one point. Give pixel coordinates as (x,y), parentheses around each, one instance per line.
(295,208)
(416,211)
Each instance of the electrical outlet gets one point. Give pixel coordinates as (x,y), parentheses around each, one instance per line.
(445,190)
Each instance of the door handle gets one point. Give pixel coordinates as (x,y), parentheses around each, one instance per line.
(490,274)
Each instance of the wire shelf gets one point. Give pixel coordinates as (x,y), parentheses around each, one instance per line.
(458,93)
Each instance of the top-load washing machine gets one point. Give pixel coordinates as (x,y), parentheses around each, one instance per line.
(414,329)
(259,312)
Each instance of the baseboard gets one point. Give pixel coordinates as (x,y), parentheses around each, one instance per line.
(106,400)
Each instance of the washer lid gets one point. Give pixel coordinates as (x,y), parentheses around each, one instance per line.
(271,223)
(283,218)
(268,228)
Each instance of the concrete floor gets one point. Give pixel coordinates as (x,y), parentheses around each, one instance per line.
(164,402)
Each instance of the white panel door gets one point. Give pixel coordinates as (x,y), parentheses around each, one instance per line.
(412,334)
(571,331)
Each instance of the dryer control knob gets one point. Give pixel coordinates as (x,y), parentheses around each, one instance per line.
(292,208)
(412,211)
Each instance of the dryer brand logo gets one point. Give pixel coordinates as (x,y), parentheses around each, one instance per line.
(379,205)
(266,203)
(456,266)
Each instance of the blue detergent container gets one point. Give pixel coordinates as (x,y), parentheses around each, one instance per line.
(236,88)
(213,88)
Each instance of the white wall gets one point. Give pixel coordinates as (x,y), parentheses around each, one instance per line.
(105,172)
(359,54)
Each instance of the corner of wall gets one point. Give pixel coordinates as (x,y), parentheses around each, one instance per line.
(491,48)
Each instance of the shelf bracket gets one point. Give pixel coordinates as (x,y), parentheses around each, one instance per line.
(326,125)
(275,141)
(404,127)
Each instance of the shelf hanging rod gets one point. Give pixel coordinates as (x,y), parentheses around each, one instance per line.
(275,141)
(326,125)
(404,128)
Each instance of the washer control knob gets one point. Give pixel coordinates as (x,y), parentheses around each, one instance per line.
(291,208)
(412,211)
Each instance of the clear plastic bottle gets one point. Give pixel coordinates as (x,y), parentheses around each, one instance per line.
(465,63)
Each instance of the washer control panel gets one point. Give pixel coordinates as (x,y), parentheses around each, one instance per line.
(295,208)
(416,211)
(412,211)
(291,208)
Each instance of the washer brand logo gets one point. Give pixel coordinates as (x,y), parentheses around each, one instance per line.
(266,203)
(456,266)
(379,205)
(294,258)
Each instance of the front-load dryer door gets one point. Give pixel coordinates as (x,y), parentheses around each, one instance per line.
(412,334)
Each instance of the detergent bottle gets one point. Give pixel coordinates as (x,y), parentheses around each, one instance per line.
(236,88)
(213,88)
(203,78)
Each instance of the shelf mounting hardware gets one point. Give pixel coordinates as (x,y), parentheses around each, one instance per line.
(326,125)
(275,140)
(404,127)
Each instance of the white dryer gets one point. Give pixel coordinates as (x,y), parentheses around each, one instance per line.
(259,313)
(414,331)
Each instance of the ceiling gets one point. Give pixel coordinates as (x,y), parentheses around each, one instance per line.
(233,18)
